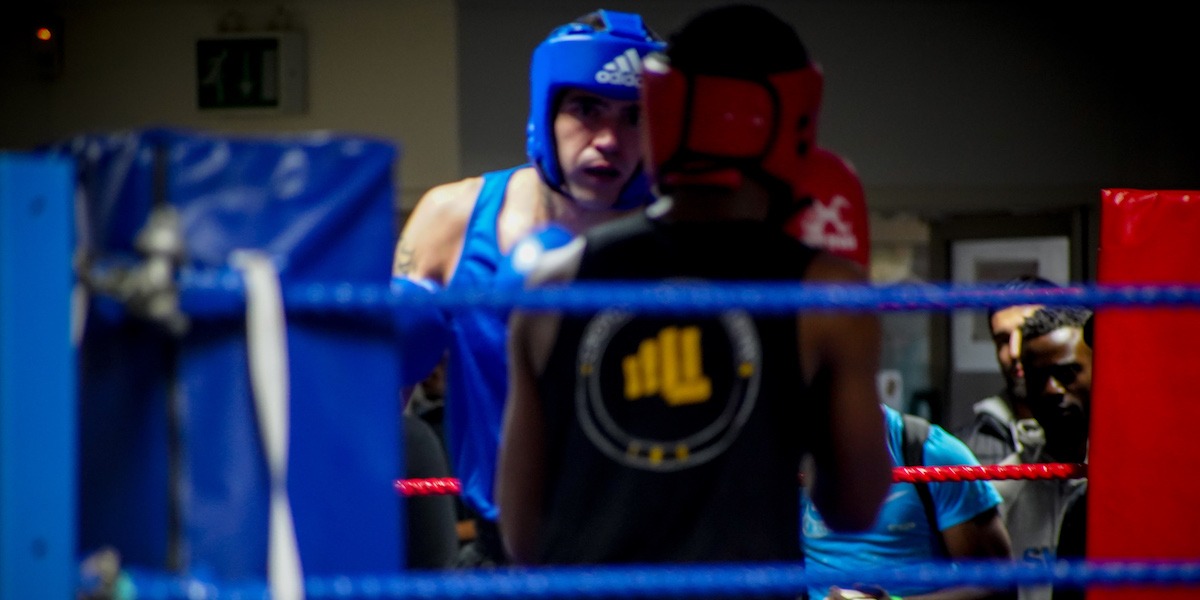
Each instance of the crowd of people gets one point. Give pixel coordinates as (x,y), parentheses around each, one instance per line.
(610,437)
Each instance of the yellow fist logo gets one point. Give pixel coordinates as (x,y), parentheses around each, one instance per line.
(670,365)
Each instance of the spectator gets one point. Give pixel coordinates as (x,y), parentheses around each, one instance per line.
(1058,372)
(961,521)
(991,436)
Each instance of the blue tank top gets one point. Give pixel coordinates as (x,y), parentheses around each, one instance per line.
(477,371)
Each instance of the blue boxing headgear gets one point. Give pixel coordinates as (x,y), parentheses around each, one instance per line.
(604,58)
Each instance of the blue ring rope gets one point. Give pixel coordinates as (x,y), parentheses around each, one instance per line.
(683,581)
(222,294)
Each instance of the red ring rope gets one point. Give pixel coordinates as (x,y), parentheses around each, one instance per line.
(437,486)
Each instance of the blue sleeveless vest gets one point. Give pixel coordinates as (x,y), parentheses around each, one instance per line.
(477,371)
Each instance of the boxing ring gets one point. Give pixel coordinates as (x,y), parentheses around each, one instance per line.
(320,530)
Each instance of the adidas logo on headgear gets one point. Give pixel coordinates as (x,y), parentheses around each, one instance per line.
(625,69)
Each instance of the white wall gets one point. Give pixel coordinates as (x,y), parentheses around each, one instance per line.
(383,68)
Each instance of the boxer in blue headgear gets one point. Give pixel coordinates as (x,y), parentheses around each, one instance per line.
(600,54)
(584,168)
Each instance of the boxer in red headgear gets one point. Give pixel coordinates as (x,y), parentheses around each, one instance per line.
(640,437)
(712,130)
(836,219)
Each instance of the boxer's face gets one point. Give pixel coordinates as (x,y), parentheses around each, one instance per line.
(598,145)
(1006,335)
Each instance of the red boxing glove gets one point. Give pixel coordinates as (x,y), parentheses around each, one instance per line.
(836,221)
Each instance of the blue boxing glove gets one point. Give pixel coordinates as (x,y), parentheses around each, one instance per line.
(525,254)
(422,331)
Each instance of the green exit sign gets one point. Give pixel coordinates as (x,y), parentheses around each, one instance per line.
(251,72)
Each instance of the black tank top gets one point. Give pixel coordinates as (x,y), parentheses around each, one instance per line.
(676,438)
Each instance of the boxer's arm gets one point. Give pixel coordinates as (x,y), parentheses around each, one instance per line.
(433,235)
(520,480)
(840,349)
(423,262)
(422,331)
(520,477)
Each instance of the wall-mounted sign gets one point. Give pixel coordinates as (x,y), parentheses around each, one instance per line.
(261,72)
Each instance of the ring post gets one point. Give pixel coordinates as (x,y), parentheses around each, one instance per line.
(37,380)
(1146,401)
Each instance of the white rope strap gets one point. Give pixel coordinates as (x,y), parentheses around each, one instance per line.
(266,338)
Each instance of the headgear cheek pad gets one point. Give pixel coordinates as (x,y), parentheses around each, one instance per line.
(713,130)
(604,60)
(837,220)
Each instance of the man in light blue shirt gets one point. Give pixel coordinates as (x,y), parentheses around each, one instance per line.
(968,523)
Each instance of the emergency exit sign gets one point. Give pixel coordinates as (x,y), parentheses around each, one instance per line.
(251,73)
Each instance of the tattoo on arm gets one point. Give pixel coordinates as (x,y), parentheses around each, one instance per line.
(405,259)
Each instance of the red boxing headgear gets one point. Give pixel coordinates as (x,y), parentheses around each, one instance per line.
(712,130)
(837,220)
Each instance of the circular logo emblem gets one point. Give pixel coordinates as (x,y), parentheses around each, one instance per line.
(665,393)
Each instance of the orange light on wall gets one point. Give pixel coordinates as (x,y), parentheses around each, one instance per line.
(47,45)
